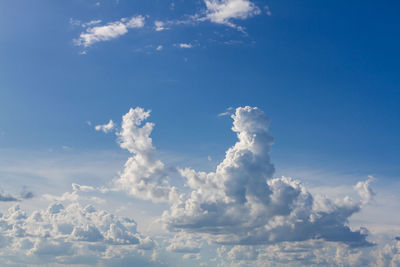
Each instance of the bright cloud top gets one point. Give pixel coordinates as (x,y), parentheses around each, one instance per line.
(109,31)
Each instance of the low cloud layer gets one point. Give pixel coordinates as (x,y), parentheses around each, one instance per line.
(64,235)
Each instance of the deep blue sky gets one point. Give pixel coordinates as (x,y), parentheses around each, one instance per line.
(326,72)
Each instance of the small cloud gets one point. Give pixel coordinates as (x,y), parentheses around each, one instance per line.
(159,26)
(267,11)
(228,112)
(223,12)
(89,123)
(97,4)
(109,31)
(66,148)
(159,48)
(105,127)
(209,158)
(185,45)
(91,23)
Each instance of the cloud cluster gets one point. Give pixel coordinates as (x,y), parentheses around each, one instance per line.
(61,234)
(241,203)
(109,31)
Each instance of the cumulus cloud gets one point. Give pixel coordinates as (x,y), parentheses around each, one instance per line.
(224,11)
(143,176)
(241,203)
(74,231)
(105,127)
(109,31)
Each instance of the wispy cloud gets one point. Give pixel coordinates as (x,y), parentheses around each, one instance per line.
(109,31)
(105,127)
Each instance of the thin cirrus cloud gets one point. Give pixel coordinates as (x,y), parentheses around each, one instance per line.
(109,31)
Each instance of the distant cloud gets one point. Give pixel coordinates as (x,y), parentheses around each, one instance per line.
(105,127)
(224,11)
(4,197)
(185,45)
(7,198)
(159,48)
(159,26)
(109,31)
(72,231)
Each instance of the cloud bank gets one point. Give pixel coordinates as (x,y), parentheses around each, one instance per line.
(65,235)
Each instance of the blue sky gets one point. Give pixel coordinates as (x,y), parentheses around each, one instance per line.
(325,73)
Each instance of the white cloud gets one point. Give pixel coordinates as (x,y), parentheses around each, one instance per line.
(159,26)
(159,48)
(143,176)
(364,190)
(105,127)
(48,236)
(185,45)
(240,203)
(109,31)
(224,11)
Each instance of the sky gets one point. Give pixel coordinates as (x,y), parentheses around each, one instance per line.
(199,133)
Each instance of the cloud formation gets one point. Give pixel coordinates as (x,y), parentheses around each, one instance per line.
(64,234)
(143,176)
(241,203)
(109,31)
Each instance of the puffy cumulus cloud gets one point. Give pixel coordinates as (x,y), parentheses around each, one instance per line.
(240,203)
(61,234)
(143,176)
(105,127)
(224,11)
(109,31)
